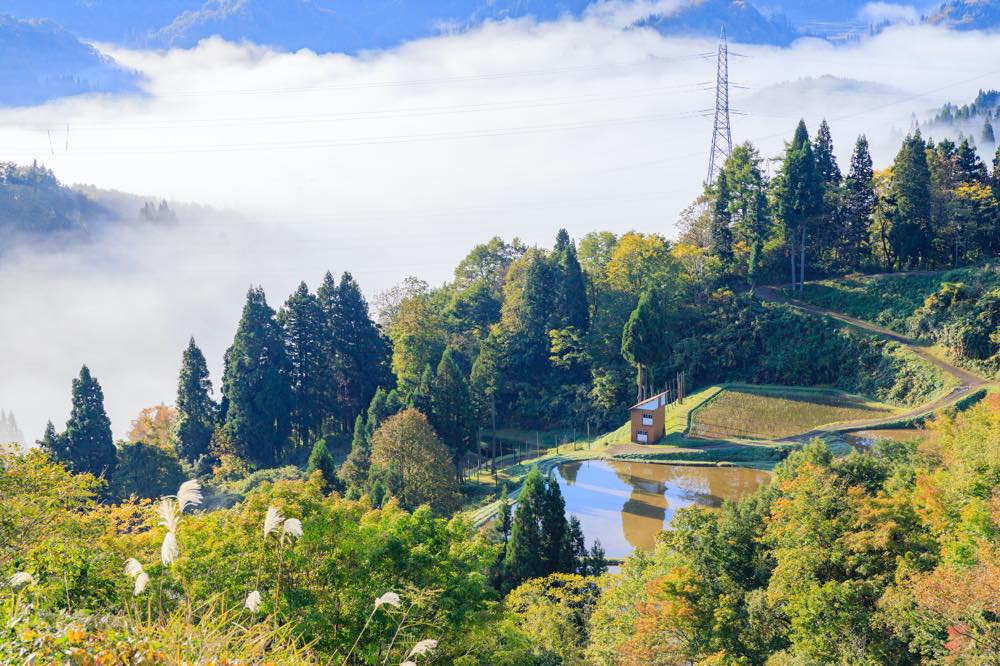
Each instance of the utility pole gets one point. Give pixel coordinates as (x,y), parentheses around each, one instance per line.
(493,414)
(722,137)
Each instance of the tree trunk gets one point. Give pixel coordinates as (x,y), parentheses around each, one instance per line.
(791,257)
(802,266)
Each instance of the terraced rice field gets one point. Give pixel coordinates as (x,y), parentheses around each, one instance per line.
(767,413)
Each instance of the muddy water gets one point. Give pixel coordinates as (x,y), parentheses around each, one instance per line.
(626,504)
(866,438)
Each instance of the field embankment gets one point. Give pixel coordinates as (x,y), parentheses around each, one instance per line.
(777,412)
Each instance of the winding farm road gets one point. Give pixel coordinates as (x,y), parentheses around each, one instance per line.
(968,382)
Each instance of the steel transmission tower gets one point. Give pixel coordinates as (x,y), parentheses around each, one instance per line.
(722,138)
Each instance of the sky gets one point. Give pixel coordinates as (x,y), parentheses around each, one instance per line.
(395,163)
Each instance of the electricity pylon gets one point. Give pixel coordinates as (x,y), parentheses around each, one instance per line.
(722,137)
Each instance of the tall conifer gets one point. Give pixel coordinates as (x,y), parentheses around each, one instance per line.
(256,384)
(196,411)
(307,344)
(89,444)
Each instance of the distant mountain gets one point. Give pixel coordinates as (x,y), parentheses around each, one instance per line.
(355,25)
(743,22)
(321,25)
(967,14)
(40,61)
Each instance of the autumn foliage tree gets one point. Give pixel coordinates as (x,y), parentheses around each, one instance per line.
(417,465)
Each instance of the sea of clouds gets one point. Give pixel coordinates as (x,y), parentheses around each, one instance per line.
(395,163)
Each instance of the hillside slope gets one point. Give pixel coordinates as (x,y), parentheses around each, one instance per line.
(958,310)
(40,61)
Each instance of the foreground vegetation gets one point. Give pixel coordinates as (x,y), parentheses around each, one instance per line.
(888,557)
(754,412)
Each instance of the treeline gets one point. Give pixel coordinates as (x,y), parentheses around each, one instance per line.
(290,378)
(937,206)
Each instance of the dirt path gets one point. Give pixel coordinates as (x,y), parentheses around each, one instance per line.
(968,382)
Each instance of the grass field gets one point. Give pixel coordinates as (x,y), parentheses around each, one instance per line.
(757,412)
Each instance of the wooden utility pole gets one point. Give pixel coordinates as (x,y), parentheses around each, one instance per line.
(493,415)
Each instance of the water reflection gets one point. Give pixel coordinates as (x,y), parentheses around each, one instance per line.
(626,504)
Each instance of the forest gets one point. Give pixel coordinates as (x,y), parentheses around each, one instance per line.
(314,509)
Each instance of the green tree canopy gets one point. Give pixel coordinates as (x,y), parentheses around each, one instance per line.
(89,445)
(196,411)
(256,384)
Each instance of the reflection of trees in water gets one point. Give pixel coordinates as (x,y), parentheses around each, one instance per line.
(569,471)
(642,518)
(644,512)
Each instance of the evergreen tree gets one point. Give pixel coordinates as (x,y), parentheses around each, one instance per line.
(799,198)
(911,235)
(597,563)
(643,338)
(452,412)
(354,472)
(422,396)
(504,518)
(859,205)
(54,444)
(361,353)
(307,344)
(988,135)
(826,161)
(320,459)
(995,174)
(574,310)
(556,549)
(746,202)
(524,550)
(89,445)
(721,235)
(256,384)
(578,546)
(196,411)
(969,168)
(383,405)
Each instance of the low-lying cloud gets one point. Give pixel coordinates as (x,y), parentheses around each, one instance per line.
(394,163)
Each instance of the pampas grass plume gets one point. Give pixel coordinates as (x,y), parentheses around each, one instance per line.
(253,601)
(189,494)
(292,528)
(132,567)
(141,581)
(168,514)
(169,550)
(423,647)
(390,598)
(272,521)
(20,579)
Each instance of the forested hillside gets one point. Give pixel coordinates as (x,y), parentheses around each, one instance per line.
(959,309)
(34,204)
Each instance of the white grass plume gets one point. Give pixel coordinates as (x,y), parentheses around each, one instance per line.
(20,579)
(132,567)
(292,528)
(272,521)
(253,601)
(408,662)
(423,647)
(390,598)
(169,549)
(189,494)
(169,516)
(141,581)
